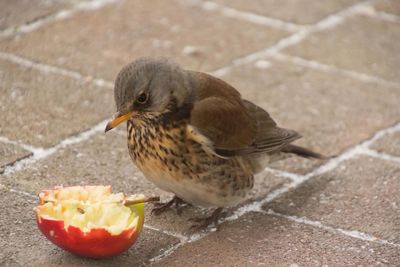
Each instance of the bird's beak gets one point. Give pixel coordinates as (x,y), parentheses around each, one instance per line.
(117,119)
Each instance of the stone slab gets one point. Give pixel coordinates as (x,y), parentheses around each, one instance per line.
(361,194)
(100,42)
(345,47)
(388,6)
(42,109)
(262,240)
(300,12)
(328,110)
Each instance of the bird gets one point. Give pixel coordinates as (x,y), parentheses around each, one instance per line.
(193,135)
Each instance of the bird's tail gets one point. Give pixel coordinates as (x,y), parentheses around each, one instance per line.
(303,152)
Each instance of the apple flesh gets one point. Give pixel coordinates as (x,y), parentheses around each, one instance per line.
(89,221)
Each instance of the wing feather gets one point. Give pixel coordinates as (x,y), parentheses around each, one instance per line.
(232,125)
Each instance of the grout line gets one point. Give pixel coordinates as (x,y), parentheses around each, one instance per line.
(380,155)
(44,68)
(324,24)
(166,253)
(352,152)
(292,176)
(29,148)
(31,196)
(60,15)
(248,16)
(41,153)
(184,241)
(387,17)
(333,69)
(23,193)
(181,238)
(281,44)
(370,11)
(317,224)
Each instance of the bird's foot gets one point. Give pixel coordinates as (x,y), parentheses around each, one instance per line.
(203,223)
(177,203)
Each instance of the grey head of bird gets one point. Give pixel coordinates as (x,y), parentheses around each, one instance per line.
(150,85)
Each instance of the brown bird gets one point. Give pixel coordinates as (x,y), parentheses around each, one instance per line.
(193,134)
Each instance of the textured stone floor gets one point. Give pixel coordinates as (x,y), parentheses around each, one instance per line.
(328,69)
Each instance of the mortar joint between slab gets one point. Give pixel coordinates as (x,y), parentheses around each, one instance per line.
(312,64)
(181,237)
(380,155)
(45,153)
(166,253)
(46,68)
(249,16)
(20,192)
(317,224)
(30,148)
(370,11)
(62,14)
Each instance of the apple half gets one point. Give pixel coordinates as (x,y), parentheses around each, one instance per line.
(90,221)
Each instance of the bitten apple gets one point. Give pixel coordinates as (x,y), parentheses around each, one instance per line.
(89,221)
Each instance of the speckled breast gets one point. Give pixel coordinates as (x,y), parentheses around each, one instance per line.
(171,159)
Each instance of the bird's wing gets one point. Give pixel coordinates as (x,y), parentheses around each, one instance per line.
(233,126)
(269,137)
(228,125)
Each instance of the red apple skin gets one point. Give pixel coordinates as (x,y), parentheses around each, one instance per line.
(98,243)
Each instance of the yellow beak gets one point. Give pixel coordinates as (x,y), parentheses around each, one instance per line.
(117,119)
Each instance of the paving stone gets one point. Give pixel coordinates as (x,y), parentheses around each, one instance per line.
(328,110)
(116,34)
(388,6)
(262,240)
(43,109)
(16,12)
(389,144)
(10,153)
(344,47)
(301,12)
(22,243)
(361,194)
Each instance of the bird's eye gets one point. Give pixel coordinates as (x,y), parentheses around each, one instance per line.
(142,98)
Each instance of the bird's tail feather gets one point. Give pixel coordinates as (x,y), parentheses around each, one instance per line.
(303,152)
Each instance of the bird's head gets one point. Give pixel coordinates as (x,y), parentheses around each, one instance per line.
(152,86)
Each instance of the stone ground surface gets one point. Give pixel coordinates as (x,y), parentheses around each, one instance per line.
(328,69)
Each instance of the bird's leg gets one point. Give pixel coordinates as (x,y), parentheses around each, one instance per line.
(177,202)
(202,223)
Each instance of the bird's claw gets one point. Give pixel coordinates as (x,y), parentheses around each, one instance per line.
(203,223)
(176,202)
